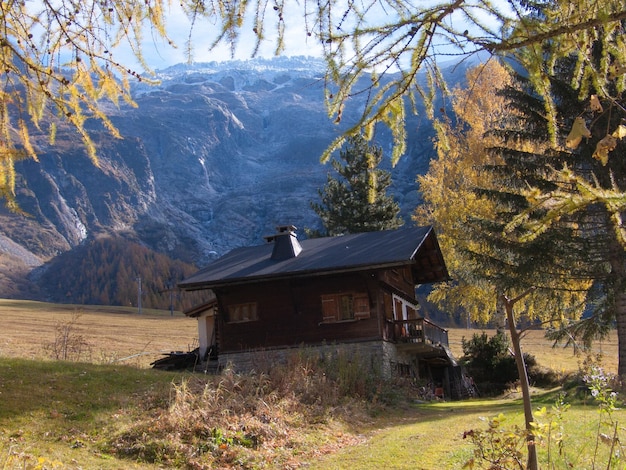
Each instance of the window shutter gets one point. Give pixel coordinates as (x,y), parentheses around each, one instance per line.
(238,313)
(361,306)
(329,308)
(253,311)
(234,313)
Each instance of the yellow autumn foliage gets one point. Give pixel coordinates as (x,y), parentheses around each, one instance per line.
(604,146)
(61,55)
(576,134)
(620,132)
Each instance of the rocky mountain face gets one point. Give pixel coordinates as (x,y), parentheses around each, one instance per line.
(214,157)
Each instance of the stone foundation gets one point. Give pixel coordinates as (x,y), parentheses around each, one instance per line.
(378,357)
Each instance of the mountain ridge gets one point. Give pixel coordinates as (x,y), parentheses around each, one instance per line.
(214,157)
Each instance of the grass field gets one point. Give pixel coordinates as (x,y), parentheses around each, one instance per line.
(56,414)
(559,359)
(114,334)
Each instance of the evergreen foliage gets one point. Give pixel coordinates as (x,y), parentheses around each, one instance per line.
(549,213)
(489,362)
(470,195)
(525,222)
(105,271)
(355,199)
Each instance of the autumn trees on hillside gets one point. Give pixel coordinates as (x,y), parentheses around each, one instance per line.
(107,271)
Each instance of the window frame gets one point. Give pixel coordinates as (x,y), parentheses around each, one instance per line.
(237,312)
(343,307)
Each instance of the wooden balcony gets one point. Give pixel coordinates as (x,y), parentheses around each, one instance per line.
(419,335)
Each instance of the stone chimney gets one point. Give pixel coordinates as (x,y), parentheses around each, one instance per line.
(286,243)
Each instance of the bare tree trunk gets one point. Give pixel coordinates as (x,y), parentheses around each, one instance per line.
(620,316)
(618,278)
(523,377)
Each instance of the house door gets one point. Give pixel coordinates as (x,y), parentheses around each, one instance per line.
(403,313)
(206,333)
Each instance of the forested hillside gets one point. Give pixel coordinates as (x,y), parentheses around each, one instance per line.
(108,270)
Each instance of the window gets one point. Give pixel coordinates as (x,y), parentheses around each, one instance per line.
(345,307)
(239,313)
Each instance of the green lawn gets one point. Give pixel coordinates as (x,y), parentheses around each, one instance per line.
(56,414)
(61,415)
(430,436)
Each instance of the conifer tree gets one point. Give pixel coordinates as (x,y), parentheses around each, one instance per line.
(553,199)
(579,187)
(499,143)
(550,232)
(355,199)
(554,222)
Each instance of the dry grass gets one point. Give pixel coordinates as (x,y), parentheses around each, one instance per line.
(559,359)
(275,419)
(114,334)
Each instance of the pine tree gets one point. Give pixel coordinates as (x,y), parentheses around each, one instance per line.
(557,226)
(356,200)
(546,276)
(556,222)
(577,189)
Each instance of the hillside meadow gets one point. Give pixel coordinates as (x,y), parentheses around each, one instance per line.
(112,334)
(112,411)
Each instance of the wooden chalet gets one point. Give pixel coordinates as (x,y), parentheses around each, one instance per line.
(351,293)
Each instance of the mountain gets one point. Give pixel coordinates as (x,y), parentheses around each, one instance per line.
(212,158)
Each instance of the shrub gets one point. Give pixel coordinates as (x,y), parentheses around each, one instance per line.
(68,344)
(489,361)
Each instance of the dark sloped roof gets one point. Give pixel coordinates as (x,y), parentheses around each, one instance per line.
(371,250)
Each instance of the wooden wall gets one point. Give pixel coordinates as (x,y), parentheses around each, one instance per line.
(290,313)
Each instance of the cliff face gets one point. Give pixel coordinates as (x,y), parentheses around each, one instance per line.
(211,159)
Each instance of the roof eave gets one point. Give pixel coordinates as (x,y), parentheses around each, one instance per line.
(310,273)
(292,275)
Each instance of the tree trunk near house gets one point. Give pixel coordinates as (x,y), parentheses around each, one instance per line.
(620,316)
(532,463)
(618,280)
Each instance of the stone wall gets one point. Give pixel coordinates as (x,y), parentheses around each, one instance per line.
(378,357)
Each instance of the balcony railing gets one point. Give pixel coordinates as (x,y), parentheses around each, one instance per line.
(419,330)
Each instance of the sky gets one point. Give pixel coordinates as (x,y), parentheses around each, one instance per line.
(160,55)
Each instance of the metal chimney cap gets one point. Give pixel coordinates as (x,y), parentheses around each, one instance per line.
(286,243)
